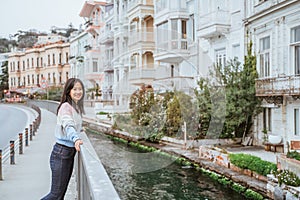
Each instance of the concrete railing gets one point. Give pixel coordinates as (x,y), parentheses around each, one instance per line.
(92,180)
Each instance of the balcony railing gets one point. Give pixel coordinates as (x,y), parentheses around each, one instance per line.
(288,85)
(181,83)
(107,36)
(142,73)
(216,17)
(136,37)
(217,22)
(134,3)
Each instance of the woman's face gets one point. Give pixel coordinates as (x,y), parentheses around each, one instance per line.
(76,92)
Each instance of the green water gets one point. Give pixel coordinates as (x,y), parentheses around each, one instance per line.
(166,183)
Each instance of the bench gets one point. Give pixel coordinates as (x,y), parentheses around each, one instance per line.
(273,147)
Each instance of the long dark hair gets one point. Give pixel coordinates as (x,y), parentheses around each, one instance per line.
(67,98)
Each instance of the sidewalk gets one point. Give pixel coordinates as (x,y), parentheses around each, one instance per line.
(30,177)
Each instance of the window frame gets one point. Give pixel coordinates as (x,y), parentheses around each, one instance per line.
(264,57)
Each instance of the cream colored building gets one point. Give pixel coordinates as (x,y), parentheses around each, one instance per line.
(48,60)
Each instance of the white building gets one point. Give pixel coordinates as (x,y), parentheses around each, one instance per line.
(78,44)
(274,27)
(93,62)
(176,51)
(106,39)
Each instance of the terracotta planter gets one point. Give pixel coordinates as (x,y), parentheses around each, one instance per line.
(247,172)
(259,177)
(235,168)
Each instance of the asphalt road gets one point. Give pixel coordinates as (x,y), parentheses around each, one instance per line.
(13,121)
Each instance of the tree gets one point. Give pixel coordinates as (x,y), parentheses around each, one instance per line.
(141,103)
(241,103)
(4,78)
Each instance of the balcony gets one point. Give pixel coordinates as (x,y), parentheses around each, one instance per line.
(278,86)
(180,83)
(108,66)
(141,40)
(214,24)
(140,7)
(173,51)
(141,76)
(106,37)
(94,27)
(92,51)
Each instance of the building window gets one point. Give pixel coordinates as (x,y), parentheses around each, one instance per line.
(221,58)
(37,62)
(48,60)
(41,61)
(236,52)
(174,34)
(37,79)
(267,119)
(191,28)
(67,57)
(49,78)
(53,59)
(295,43)
(162,36)
(27,63)
(32,78)
(59,59)
(28,79)
(60,77)
(95,66)
(264,56)
(32,62)
(296,122)
(23,65)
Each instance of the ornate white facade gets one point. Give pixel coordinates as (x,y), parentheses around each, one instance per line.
(274,27)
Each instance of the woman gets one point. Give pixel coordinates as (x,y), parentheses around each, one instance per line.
(67,133)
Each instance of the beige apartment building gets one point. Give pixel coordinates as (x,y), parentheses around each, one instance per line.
(48,60)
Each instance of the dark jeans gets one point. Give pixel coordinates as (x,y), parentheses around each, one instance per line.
(61,164)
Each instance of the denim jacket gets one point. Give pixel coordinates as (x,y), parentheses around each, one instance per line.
(68,126)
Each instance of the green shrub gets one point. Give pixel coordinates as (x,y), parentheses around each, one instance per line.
(102,113)
(238,188)
(250,194)
(253,163)
(294,155)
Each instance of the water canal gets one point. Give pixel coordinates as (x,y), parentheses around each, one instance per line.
(167,183)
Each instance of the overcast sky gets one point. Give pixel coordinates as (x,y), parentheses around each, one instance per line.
(38,14)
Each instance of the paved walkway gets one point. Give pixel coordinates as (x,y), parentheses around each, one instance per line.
(30,177)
